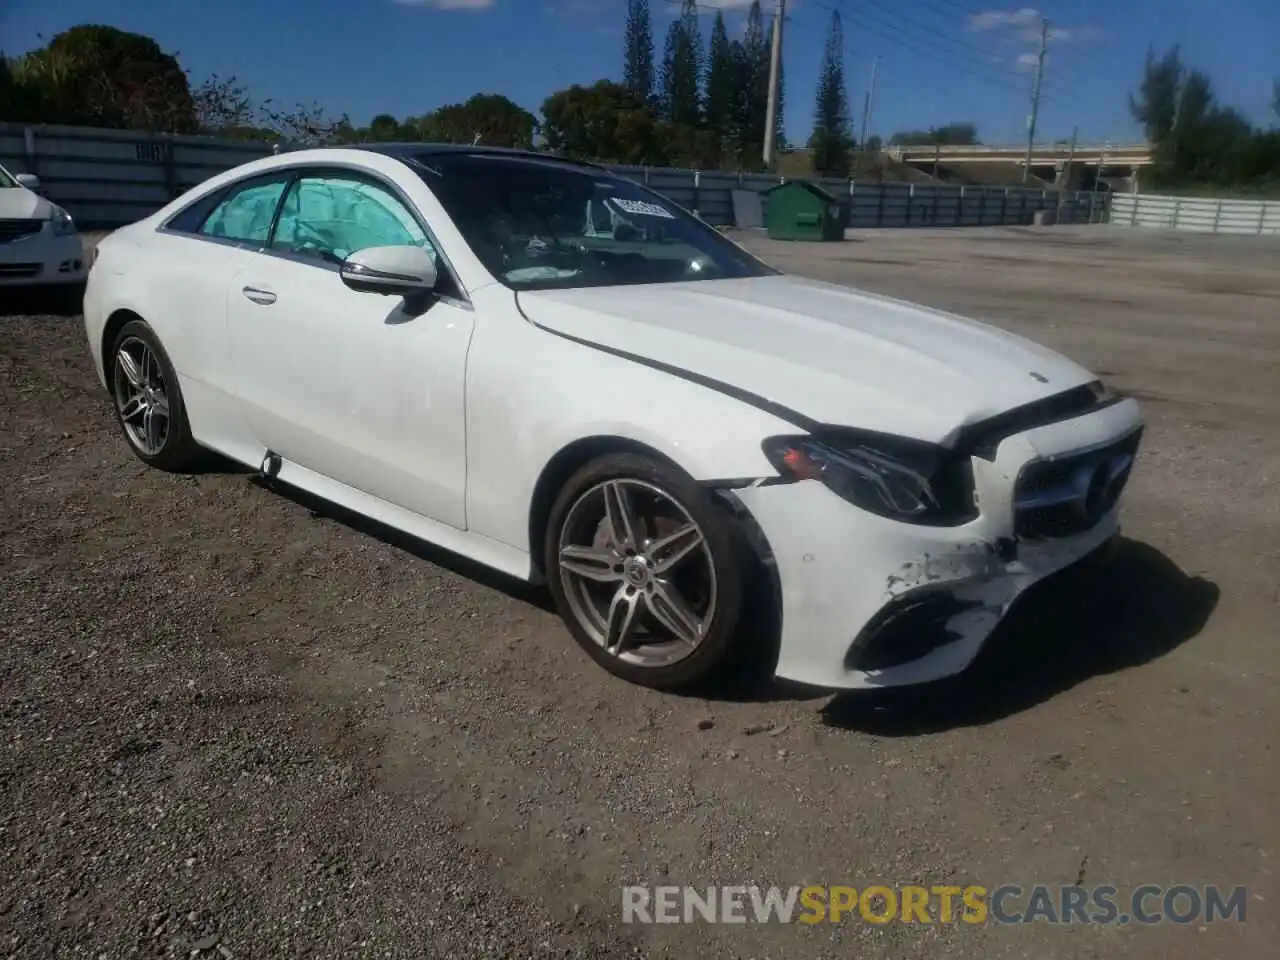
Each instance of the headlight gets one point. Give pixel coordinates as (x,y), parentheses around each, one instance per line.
(893,477)
(63,225)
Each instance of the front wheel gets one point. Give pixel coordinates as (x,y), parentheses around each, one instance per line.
(646,571)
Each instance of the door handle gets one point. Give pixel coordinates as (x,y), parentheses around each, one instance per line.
(258,295)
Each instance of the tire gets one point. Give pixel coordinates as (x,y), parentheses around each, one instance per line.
(609,587)
(146,381)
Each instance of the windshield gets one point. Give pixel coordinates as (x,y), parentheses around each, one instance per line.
(6,179)
(547,225)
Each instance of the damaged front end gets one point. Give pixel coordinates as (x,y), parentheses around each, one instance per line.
(895,562)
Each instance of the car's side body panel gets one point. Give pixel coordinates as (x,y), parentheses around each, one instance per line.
(532,393)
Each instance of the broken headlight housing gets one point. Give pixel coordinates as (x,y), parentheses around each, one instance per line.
(894,477)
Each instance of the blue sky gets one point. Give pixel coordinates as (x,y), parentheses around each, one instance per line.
(941,60)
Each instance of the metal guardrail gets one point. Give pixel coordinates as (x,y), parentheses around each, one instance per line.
(112,177)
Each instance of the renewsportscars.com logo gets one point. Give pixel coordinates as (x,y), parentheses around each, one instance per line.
(943,904)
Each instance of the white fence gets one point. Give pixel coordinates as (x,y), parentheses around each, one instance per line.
(1199,215)
(112,177)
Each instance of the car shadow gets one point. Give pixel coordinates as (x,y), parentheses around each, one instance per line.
(319,508)
(1132,609)
(65,300)
(1099,619)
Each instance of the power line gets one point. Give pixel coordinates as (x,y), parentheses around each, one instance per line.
(907,42)
(980,68)
(983,55)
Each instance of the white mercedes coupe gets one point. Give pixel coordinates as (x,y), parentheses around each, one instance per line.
(549,369)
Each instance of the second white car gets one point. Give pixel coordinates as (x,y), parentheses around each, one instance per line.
(39,244)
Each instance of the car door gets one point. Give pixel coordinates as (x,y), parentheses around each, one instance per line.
(195,254)
(354,386)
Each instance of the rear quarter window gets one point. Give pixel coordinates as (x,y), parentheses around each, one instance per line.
(192,217)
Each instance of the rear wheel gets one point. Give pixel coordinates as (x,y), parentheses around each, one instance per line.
(148,401)
(646,571)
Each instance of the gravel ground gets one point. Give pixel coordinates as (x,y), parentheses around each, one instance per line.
(238,724)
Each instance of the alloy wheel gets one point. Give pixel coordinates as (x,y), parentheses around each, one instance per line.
(141,396)
(638,572)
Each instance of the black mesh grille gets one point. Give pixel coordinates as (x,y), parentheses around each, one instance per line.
(13,229)
(1068,495)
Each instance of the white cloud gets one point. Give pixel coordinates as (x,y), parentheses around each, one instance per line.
(997,19)
(448,4)
(1024,24)
(1076,34)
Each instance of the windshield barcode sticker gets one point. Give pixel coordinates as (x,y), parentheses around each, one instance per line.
(641,208)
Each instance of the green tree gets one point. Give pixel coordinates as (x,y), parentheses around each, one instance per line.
(223,107)
(1275,98)
(959,134)
(605,121)
(99,76)
(779,137)
(637,72)
(19,100)
(832,140)
(721,85)
(752,83)
(1206,143)
(384,128)
(1195,139)
(681,68)
(486,118)
(1155,105)
(304,125)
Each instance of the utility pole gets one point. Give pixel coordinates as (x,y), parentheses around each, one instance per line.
(1066,169)
(775,72)
(866,106)
(1035,98)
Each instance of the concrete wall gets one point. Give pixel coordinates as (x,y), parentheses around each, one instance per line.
(1200,215)
(112,177)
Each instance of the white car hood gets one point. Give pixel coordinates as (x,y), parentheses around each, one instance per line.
(19,203)
(832,354)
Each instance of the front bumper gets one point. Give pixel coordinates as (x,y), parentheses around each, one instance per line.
(862,594)
(42,259)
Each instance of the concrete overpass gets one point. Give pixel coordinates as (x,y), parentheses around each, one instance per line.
(1049,162)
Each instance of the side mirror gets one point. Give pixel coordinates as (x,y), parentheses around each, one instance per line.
(395,271)
(28,180)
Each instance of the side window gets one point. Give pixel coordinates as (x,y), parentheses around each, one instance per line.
(330,218)
(246,214)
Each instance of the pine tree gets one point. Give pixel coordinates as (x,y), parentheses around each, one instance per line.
(722,114)
(779,140)
(832,139)
(681,68)
(638,60)
(751,58)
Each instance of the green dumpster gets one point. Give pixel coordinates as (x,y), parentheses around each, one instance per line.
(799,210)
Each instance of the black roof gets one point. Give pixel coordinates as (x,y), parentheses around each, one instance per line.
(416,151)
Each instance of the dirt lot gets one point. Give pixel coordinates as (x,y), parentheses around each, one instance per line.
(236,725)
